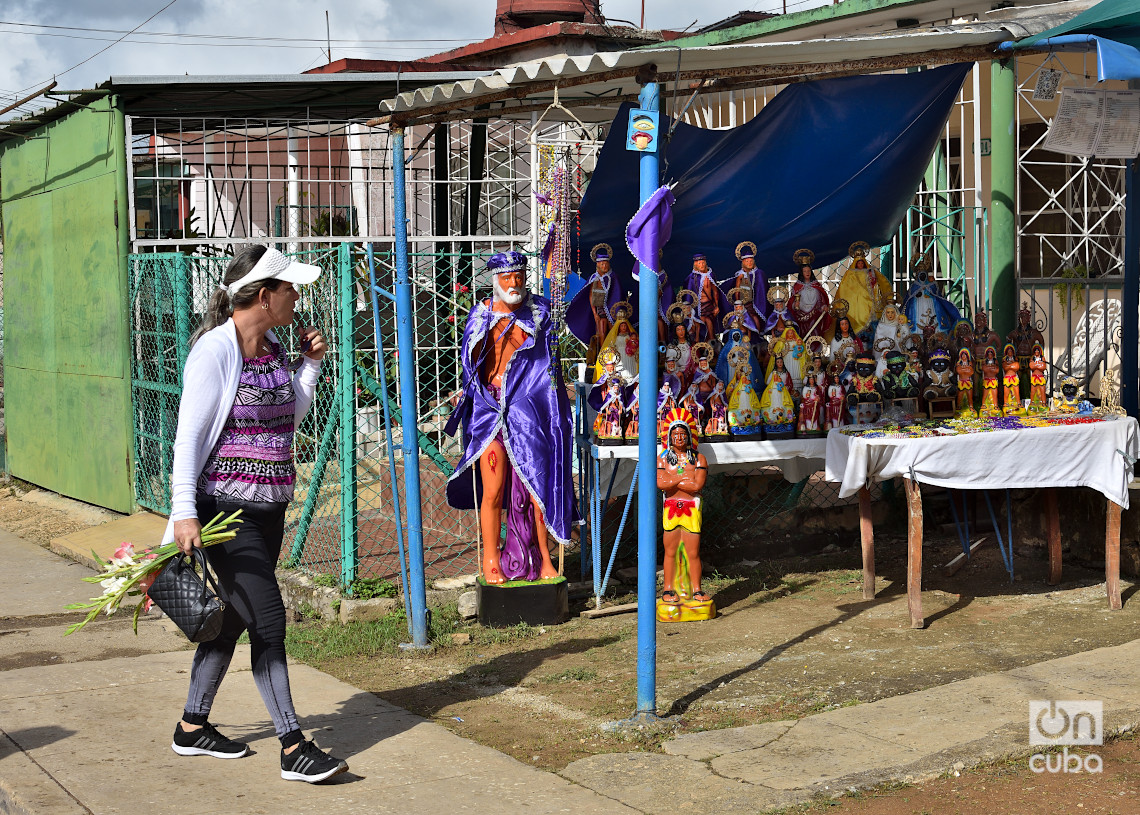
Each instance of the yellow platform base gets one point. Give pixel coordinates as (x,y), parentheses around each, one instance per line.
(685,612)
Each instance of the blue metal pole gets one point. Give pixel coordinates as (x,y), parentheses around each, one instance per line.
(1130,297)
(647,451)
(404,328)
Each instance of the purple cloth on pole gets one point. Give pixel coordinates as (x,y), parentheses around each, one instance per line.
(532,414)
(650,228)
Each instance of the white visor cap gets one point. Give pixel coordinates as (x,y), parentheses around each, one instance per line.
(276,266)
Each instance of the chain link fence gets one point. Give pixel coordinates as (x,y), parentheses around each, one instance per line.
(348,450)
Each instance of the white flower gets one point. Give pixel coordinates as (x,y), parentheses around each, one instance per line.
(112,585)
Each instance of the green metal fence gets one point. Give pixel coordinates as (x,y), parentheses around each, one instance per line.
(341,521)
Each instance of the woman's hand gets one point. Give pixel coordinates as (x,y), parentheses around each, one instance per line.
(187,534)
(313,343)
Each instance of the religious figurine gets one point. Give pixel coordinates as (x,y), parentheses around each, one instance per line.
(777,407)
(864,287)
(691,402)
(892,326)
(991,374)
(752,278)
(681,476)
(517,429)
(938,385)
(897,384)
(809,303)
(623,339)
(843,339)
(664,300)
(1010,382)
(1023,337)
(963,335)
(704,380)
(982,338)
(1038,381)
(710,301)
(589,315)
(811,406)
(790,347)
(631,415)
(666,401)
(716,429)
(1109,396)
(864,399)
(670,375)
(739,296)
(608,423)
(966,375)
(1068,398)
(924,304)
(835,413)
(679,341)
(779,318)
(608,362)
(744,404)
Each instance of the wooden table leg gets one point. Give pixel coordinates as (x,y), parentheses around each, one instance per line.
(914,553)
(1053,535)
(867,541)
(1112,556)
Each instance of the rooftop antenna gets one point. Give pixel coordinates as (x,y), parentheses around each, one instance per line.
(328,36)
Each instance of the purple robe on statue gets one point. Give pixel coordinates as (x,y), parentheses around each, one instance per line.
(530,415)
(579,315)
(759,283)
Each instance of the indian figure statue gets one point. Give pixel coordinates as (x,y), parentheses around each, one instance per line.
(1011,382)
(924,304)
(811,411)
(809,304)
(751,278)
(608,422)
(835,414)
(864,288)
(517,429)
(743,404)
(710,302)
(622,338)
(777,407)
(966,375)
(991,377)
(681,475)
(1038,381)
(983,337)
(1024,335)
(864,399)
(938,382)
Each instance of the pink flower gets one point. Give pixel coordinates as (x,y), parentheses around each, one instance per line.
(451,318)
(126,549)
(459,287)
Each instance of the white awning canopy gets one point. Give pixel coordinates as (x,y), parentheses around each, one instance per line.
(593,84)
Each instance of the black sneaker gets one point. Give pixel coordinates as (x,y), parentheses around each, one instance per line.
(206,741)
(309,763)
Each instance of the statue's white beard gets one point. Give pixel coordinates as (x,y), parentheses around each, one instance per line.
(512,297)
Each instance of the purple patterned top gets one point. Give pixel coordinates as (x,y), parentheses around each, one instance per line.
(253,458)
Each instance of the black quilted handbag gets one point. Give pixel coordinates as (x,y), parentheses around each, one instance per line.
(191,601)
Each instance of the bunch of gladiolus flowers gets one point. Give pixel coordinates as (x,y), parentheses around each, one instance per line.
(130,574)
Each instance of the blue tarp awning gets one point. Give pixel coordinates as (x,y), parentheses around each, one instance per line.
(824,164)
(1111,28)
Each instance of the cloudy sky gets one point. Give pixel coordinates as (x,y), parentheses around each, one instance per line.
(42,38)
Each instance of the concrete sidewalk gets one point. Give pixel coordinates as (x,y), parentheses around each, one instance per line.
(88,731)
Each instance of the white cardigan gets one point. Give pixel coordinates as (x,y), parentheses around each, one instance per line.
(209,387)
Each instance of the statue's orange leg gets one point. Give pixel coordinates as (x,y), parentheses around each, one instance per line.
(692,544)
(493,469)
(542,539)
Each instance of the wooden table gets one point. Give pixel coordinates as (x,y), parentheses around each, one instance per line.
(855,461)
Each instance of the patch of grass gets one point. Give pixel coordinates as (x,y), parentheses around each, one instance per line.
(317,643)
(493,636)
(326,581)
(368,588)
(308,610)
(513,583)
(571,675)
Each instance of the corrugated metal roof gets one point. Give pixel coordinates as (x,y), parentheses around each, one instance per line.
(614,70)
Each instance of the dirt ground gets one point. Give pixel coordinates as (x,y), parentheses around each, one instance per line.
(794,637)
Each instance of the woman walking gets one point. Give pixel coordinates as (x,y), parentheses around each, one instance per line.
(233,450)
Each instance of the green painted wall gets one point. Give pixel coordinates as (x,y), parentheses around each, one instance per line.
(66,368)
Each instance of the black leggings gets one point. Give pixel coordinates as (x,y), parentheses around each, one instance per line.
(245,570)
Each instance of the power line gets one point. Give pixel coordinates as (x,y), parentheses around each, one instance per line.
(209,36)
(254,44)
(112,45)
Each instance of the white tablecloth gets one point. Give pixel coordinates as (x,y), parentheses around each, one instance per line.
(796,458)
(1079,455)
